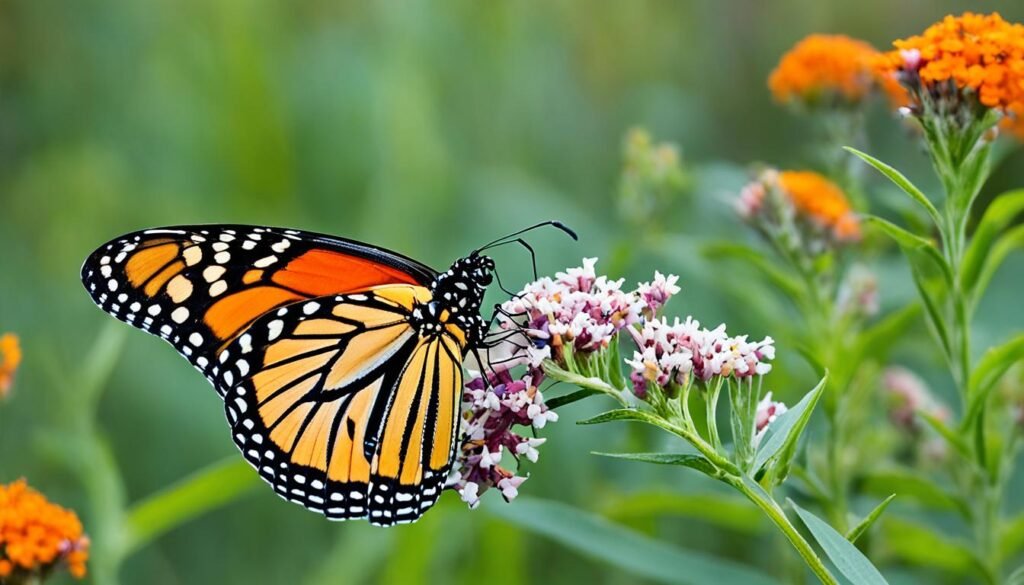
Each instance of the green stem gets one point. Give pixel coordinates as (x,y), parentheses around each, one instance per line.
(778,517)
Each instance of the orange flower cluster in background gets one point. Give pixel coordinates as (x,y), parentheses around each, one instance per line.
(978,52)
(10,357)
(35,535)
(821,68)
(822,201)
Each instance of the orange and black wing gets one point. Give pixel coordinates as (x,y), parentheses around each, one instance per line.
(343,407)
(199,287)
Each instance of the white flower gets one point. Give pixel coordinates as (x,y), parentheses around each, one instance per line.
(767,412)
(470,493)
(509,487)
(488,458)
(529,448)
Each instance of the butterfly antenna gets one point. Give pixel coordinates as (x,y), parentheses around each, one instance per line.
(505,239)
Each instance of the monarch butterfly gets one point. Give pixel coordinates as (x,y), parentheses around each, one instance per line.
(339,363)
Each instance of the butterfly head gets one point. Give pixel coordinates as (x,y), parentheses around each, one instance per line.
(457,296)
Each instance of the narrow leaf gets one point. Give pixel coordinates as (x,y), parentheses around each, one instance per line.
(923,545)
(1007,243)
(783,434)
(909,485)
(869,520)
(909,241)
(603,541)
(721,509)
(786,283)
(851,562)
(559,401)
(683,459)
(206,490)
(999,214)
(951,436)
(902,182)
(992,366)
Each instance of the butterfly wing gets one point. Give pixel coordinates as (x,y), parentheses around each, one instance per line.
(331,394)
(343,407)
(199,287)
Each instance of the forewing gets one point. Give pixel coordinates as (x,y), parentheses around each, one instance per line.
(199,287)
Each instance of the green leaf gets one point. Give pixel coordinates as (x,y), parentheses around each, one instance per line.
(951,436)
(909,485)
(869,520)
(603,541)
(685,460)
(721,509)
(1006,243)
(789,285)
(902,182)
(782,435)
(630,414)
(851,562)
(925,262)
(1011,537)
(999,214)
(193,496)
(876,340)
(1016,577)
(922,545)
(992,366)
(559,401)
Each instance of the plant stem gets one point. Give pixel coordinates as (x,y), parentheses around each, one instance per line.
(778,517)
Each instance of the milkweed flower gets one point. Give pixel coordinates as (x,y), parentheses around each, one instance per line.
(768,411)
(802,207)
(572,320)
(652,174)
(37,536)
(10,358)
(906,396)
(960,67)
(828,70)
(579,313)
(683,351)
(491,410)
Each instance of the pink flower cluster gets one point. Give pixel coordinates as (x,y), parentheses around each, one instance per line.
(768,411)
(576,309)
(583,311)
(676,353)
(491,410)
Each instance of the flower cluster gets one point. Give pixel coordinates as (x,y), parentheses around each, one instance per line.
(907,395)
(574,316)
(581,312)
(972,58)
(10,357)
(651,174)
(684,351)
(36,536)
(768,411)
(798,195)
(492,409)
(828,70)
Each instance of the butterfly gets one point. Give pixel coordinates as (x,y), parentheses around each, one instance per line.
(339,362)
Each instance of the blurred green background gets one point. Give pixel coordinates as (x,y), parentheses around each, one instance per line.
(428,128)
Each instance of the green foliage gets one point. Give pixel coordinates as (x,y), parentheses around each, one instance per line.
(851,562)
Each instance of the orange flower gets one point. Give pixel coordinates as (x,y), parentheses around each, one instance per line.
(977,53)
(36,535)
(822,201)
(10,357)
(828,68)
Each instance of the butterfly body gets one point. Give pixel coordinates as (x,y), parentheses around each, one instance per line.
(339,363)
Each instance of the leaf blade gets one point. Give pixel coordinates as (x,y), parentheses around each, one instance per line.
(599,539)
(900,181)
(851,562)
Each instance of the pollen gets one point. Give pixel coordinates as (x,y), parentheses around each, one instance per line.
(37,536)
